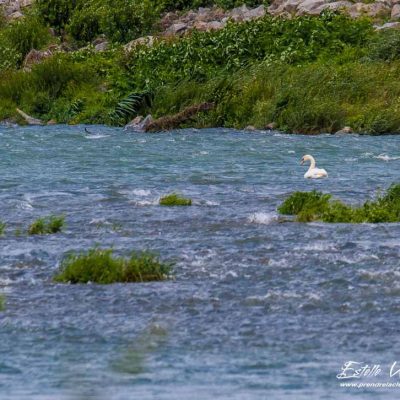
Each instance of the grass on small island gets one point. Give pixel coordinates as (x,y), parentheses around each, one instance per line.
(46,225)
(175,199)
(316,206)
(101,266)
(2,228)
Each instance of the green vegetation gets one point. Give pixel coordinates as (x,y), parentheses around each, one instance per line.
(315,206)
(47,225)
(2,228)
(306,74)
(175,199)
(100,266)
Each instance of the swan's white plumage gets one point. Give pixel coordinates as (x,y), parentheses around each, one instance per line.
(313,172)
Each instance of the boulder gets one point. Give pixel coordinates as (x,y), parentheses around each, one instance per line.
(37,56)
(142,41)
(139,124)
(370,10)
(395,14)
(335,6)
(239,13)
(215,25)
(271,126)
(388,25)
(310,7)
(344,130)
(100,44)
(176,29)
(288,6)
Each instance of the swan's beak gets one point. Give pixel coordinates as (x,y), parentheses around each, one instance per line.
(301,162)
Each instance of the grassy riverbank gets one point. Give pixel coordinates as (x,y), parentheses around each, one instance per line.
(307,74)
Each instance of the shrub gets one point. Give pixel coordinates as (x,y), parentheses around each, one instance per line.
(18,38)
(56,13)
(119,20)
(47,225)
(174,199)
(100,266)
(315,206)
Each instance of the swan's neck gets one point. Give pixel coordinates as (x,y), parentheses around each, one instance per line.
(312,163)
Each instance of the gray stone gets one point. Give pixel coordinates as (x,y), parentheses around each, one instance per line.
(345,130)
(139,124)
(142,41)
(178,28)
(388,25)
(309,7)
(395,14)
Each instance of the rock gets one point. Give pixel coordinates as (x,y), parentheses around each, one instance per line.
(201,26)
(370,10)
(52,122)
(344,130)
(102,46)
(15,15)
(395,14)
(309,7)
(214,25)
(139,124)
(239,13)
(142,41)
(250,128)
(37,56)
(288,6)
(335,6)
(388,25)
(271,126)
(30,120)
(257,12)
(177,29)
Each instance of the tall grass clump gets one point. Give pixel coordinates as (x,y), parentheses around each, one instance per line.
(174,199)
(18,38)
(47,225)
(316,206)
(101,266)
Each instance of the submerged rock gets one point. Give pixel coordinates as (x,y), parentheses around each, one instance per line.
(139,124)
(345,130)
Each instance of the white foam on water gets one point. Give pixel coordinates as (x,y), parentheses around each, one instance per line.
(141,192)
(262,218)
(386,158)
(96,136)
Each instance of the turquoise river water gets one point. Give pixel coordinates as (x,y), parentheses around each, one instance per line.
(257,309)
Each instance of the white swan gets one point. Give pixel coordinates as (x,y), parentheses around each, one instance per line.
(313,172)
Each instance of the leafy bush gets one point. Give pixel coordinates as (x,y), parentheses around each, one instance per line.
(18,38)
(100,266)
(174,199)
(56,13)
(315,206)
(47,225)
(202,54)
(385,46)
(119,20)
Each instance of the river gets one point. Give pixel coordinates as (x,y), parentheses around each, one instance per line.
(257,308)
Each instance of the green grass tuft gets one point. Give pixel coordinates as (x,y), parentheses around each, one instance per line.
(47,225)
(2,228)
(175,199)
(100,266)
(316,206)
